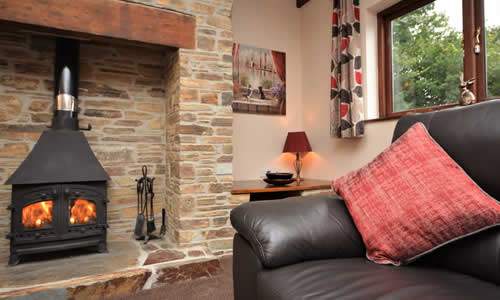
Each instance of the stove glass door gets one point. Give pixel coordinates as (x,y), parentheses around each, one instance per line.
(82,211)
(38,215)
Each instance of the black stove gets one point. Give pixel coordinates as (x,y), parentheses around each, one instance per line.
(59,193)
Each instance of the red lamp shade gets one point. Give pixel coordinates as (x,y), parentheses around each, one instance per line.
(297,142)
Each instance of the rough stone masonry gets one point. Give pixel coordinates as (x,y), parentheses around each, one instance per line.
(169,109)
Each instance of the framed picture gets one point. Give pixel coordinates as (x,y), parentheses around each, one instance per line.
(259,77)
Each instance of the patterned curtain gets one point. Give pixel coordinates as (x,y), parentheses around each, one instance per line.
(346,100)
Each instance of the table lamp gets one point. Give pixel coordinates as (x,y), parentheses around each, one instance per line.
(297,142)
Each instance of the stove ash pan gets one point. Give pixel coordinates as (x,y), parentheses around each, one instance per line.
(54,217)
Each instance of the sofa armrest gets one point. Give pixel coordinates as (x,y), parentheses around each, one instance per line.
(246,269)
(292,230)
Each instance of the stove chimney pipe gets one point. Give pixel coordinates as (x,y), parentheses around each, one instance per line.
(66,84)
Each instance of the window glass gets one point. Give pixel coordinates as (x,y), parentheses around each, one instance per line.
(427,56)
(492,37)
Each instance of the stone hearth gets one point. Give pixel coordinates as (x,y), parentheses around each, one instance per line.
(128,268)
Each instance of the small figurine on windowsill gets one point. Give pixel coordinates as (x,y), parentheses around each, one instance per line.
(466,96)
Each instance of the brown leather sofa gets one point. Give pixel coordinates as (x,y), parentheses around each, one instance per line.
(309,248)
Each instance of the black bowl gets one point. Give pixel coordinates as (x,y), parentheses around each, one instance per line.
(279,182)
(279,175)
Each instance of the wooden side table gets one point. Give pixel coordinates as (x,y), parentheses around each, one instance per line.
(255,190)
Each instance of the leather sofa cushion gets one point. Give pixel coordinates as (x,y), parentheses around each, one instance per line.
(470,135)
(357,278)
(297,229)
(477,255)
(413,198)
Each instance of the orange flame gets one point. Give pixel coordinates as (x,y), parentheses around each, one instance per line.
(37,214)
(83,212)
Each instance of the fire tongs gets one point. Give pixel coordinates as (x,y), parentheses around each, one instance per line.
(145,223)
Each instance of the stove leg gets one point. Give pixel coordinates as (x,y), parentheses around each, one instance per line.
(13,260)
(101,247)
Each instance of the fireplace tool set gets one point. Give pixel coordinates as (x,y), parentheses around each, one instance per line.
(145,221)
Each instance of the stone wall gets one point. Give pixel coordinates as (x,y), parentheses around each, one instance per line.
(167,108)
(199,129)
(122,94)
(25,65)
(123,97)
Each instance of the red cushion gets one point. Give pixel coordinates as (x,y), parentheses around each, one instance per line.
(412,199)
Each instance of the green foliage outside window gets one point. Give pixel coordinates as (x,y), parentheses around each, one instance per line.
(493,61)
(427,60)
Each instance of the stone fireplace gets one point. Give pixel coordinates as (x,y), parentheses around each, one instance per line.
(167,106)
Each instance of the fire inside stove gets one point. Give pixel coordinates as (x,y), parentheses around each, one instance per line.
(82,212)
(38,215)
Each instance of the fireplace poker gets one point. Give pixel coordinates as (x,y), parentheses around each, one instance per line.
(151,227)
(163,229)
(142,214)
(146,211)
(146,236)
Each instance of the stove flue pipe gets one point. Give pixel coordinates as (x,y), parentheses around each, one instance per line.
(66,84)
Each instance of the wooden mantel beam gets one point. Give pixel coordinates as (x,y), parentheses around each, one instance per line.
(301,3)
(105,18)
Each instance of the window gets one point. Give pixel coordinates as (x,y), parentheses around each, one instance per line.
(492,45)
(426,47)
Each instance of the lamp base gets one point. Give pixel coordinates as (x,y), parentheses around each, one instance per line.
(298,167)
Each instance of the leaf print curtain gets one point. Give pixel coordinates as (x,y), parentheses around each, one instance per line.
(346,99)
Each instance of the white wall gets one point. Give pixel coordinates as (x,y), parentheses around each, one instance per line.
(305,35)
(258,139)
(335,157)
(369,10)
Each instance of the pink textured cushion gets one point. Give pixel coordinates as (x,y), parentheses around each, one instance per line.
(412,199)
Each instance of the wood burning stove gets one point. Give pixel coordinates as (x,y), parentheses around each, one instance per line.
(52,217)
(59,192)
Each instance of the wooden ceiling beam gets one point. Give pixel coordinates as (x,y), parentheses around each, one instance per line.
(301,3)
(105,18)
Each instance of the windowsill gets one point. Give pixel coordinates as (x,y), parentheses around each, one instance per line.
(381,119)
(397,115)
